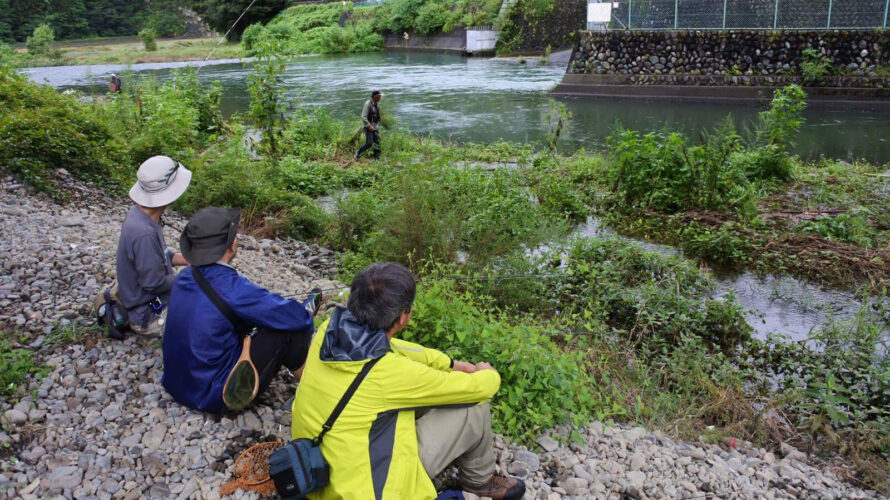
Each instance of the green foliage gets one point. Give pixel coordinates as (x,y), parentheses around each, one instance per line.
(226,175)
(661,171)
(558,119)
(222,14)
(148,35)
(815,66)
(77,139)
(433,211)
(533,25)
(167,23)
(432,16)
(778,126)
(171,119)
(851,227)
(40,43)
(541,384)
(266,97)
(724,245)
(313,29)
(16,365)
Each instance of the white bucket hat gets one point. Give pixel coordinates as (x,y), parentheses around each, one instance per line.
(162,180)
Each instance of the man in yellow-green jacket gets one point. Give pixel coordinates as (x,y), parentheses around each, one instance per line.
(417,411)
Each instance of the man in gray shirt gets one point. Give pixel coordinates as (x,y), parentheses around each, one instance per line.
(370,120)
(144,263)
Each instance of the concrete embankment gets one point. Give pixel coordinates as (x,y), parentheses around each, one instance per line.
(731,66)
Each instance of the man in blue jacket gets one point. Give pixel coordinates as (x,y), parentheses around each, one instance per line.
(201,346)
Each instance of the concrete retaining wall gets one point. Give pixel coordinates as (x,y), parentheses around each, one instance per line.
(453,41)
(747,53)
(732,66)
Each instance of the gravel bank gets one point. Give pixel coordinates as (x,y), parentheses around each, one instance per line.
(99,425)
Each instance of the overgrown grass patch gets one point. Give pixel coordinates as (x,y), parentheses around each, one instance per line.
(16,366)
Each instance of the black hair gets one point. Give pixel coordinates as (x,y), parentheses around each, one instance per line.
(380,293)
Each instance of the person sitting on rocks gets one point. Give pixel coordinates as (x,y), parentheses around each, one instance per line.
(415,413)
(144,263)
(202,343)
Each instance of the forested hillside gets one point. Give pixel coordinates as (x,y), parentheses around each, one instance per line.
(89,18)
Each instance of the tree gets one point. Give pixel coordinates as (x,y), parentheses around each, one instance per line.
(220,14)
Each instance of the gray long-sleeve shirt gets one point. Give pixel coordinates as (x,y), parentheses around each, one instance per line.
(143,270)
(370,113)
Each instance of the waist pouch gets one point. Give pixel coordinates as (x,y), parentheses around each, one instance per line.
(299,468)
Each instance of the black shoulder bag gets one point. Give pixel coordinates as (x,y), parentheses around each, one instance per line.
(298,468)
(243,382)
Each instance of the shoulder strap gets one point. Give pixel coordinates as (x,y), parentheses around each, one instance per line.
(217,300)
(357,381)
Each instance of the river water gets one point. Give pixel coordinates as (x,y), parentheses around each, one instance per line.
(486,100)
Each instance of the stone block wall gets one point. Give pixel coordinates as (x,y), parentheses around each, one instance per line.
(860,58)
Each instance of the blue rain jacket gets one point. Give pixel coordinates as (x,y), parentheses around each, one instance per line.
(200,345)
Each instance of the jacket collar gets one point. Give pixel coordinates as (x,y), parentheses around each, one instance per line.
(348,340)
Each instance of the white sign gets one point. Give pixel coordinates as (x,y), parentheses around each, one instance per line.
(599,12)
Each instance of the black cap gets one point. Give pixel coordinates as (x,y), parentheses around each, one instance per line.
(376,92)
(209,233)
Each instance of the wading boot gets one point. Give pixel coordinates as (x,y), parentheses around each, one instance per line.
(499,488)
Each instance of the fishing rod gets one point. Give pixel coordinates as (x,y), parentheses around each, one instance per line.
(221,40)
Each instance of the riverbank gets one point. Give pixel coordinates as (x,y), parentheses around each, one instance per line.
(132,51)
(98,424)
(611,329)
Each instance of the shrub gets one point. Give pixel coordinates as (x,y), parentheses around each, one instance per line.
(42,130)
(251,37)
(432,16)
(541,384)
(815,66)
(226,175)
(148,35)
(40,43)
(779,125)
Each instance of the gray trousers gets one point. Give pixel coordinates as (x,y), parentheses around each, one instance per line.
(461,436)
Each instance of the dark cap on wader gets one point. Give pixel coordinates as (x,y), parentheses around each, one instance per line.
(376,92)
(209,233)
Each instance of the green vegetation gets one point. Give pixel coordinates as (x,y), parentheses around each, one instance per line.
(16,365)
(148,35)
(89,18)
(41,42)
(580,330)
(815,66)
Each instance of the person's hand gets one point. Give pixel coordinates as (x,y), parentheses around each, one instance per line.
(482,365)
(179,260)
(371,128)
(463,366)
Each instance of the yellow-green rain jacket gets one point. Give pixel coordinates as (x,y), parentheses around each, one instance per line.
(372,447)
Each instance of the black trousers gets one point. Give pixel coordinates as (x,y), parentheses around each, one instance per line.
(372,139)
(272,349)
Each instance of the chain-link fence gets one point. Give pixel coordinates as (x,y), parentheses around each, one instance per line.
(747,14)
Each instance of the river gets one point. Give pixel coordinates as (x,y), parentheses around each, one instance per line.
(486,100)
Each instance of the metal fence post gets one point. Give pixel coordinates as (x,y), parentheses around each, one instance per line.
(886,10)
(830,5)
(724,13)
(630,8)
(676,13)
(776,16)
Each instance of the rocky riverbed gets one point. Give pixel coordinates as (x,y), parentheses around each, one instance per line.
(99,425)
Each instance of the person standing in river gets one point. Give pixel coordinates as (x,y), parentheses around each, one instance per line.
(371,121)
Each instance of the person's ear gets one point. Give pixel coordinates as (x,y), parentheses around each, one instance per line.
(234,246)
(404,318)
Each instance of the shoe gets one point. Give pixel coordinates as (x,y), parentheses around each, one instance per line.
(316,297)
(356,157)
(499,488)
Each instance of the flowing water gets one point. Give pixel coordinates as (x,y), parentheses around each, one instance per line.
(486,100)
